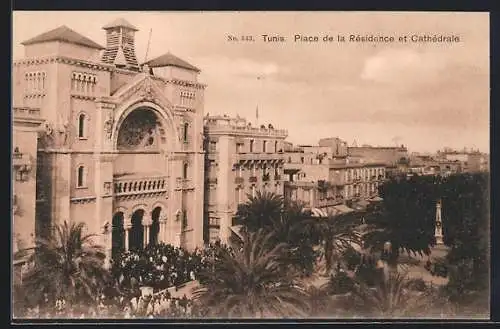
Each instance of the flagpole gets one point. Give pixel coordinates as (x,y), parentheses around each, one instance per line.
(259,78)
(147,48)
(257,116)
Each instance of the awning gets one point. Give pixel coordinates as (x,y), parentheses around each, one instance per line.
(318,213)
(363,203)
(237,230)
(343,209)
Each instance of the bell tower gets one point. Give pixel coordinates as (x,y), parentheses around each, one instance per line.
(120,45)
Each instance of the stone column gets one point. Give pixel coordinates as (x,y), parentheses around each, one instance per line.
(127,226)
(438,230)
(163,228)
(178,238)
(103,160)
(146,222)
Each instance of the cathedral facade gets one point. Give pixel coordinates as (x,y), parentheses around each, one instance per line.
(119,144)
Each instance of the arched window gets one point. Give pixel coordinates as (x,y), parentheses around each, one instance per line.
(80,177)
(185,132)
(185,171)
(81,125)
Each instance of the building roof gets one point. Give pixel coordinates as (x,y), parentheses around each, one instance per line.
(119,22)
(64,34)
(171,60)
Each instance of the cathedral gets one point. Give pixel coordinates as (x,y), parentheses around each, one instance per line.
(102,139)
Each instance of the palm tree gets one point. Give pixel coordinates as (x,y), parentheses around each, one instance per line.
(392,297)
(323,188)
(287,220)
(296,228)
(320,302)
(260,211)
(336,236)
(66,265)
(254,281)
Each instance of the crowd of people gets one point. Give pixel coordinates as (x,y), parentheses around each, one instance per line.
(161,305)
(162,266)
(159,267)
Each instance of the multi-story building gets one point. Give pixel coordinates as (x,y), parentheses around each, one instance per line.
(469,161)
(395,159)
(26,123)
(325,178)
(240,160)
(122,142)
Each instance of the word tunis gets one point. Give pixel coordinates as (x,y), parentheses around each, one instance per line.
(273,38)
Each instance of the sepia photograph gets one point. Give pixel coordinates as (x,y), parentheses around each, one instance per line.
(250,165)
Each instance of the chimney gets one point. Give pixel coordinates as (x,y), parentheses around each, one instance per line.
(120,45)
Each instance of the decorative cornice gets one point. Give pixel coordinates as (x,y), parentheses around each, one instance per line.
(84,97)
(34,94)
(180,109)
(83,200)
(140,196)
(64,60)
(186,83)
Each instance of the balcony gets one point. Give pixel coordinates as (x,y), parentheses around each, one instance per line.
(214,222)
(26,112)
(259,156)
(253,179)
(21,164)
(211,156)
(239,180)
(135,186)
(212,180)
(215,128)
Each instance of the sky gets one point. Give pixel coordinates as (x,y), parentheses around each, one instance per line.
(424,95)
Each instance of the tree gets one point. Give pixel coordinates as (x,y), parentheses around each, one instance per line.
(405,217)
(466,217)
(66,265)
(391,297)
(269,212)
(336,236)
(253,281)
(296,228)
(260,211)
(323,188)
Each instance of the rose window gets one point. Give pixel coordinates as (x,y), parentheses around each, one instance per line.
(138,130)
